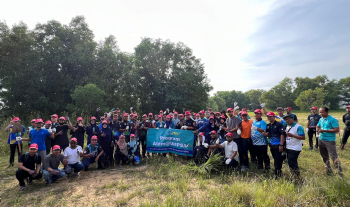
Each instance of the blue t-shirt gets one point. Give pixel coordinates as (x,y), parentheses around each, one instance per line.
(38,137)
(12,136)
(257,137)
(326,124)
(158,124)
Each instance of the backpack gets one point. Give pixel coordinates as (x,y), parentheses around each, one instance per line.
(26,156)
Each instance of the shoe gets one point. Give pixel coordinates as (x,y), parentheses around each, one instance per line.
(10,165)
(341,147)
(243,169)
(23,188)
(29,182)
(316,147)
(76,174)
(311,148)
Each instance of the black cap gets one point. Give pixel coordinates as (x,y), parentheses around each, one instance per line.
(287,116)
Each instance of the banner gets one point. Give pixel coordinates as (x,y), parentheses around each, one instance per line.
(170,140)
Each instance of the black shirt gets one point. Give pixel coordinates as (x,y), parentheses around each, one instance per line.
(275,131)
(346,119)
(123,125)
(62,139)
(313,120)
(30,162)
(190,123)
(115,127)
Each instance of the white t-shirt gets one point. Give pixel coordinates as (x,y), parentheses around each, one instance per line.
(72,154)
(230,148)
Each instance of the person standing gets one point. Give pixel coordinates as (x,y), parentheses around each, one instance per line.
(29,165)
(48,140)
(61,137)
(13,142)
(326,130)
(107,144)
(32,123)
(289,112)
(125,127)
(346,134)
(202,126)
(144,126)
(247,144)
(190,124)
(91,129)
(78,132)
(312,121)
(276,134)
(232,123)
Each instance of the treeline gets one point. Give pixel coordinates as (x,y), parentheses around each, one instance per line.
(300,93)
(57,68)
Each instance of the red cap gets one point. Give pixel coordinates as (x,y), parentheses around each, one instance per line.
(194,114)
(201,134)
(181,115)
(79,119)
(218,112)
(348,106)
(33,120)
(16,119)
(125,114)
(74,139)
(211,117)
(160,116)
(132,135)
(314,107)
(33,146)
(39,121)
(54,115)
(175,113)
(48,122)
(270,114)
(161,111)
(135,115)
(150,114)
(121,136)
(62,117)
(229,109)
(201,112)
(244,109)
(169,116)
(104,122)
(244,113)
(288,108)
(93,118)
(102,117)
(94,137)
(229,134)
(187,113)
(145,115)
(213,132)
(258,111)
(56,147)
(240,112)
(223,117)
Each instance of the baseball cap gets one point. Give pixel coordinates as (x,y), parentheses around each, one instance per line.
(187,113)
(16,119)
(229,109)
(223,117)
(132,135)
(213,132)
(201,112)
(104,122)
(229,134)
(125,114)
(39,121)
(348,106)
(94,137)
(33,120)
(93,118)
(62,117)
(288,108)
(150,114)
(79,119)
(201,134)
(175,113)
(314,107)
(211,117)
(244,109)
(218,112)
(56,147)
(169,116)
(279,108)
(258,111)
(54,115)
(181,115)
(121,136)
(135,115)
(244,113)
(33,146)
(145,115)
(160,116)
(287,116)
(48,122)
(74,139)
(161,111)
(270,114)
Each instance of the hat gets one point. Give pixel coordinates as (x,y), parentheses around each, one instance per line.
(211,117)
(201,112)
(181,115)
(62,117)
(279,108)
(104,122)
(161,111)
(229,134)
(48,122)
(314,107)
(160,116)
(287,116)
(229,109)
(94,137)
(56,147)
(288,108)
(132,135)
(187,113)
(102,117)
(16,119)
(121,136)
(223,117)
(54,115)
(135,115)
(33,120)
(74,139)
(218,112)
(150,114)
(213,132)
(201,134)
(270,114)
(175,113)
(244,109)
(240,112)
(79,119)
(125,114)
(93,118)
(169,116)
(39,121)
(194,114)
(145,115)
(258,111)
(347,107)
(244,113)
(33,146)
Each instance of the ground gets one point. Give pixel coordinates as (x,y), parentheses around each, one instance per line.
(170,181)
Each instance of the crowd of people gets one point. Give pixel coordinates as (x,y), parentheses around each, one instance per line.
(116,139)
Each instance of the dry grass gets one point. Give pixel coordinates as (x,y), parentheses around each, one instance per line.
(170,182)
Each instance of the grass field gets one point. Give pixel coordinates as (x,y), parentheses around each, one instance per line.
(169,181)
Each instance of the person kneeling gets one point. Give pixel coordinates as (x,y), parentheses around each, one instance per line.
(121,151)
(51,171)
(200,151)
(72,154)
(212,144)
(134,151)
(231,157)
(26,166)
(92,153)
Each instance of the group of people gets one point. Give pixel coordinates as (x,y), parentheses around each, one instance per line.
(122,138)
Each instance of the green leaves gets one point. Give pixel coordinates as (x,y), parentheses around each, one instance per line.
(310,98)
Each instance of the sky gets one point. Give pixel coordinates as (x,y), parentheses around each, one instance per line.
(244,44)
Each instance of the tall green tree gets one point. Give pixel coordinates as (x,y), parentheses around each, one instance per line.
(252,97)
(310,98)
(344,91)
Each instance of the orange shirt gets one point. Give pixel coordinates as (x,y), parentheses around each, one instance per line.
(246,128)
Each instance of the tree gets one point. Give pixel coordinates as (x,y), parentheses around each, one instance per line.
(344,91)
(252,97)
(310,98)
(217,103)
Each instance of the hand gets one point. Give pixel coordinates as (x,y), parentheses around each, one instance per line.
(185,127)
(157,128)
(109,114)
(254,128)
(54,172)
(96,160)
(53,130)
(89,126)
(228,161)
(31,172)
(98,109)
(239,131)
(80,124)
(67,119)
(217,141)
(131,108)
(307,130)
(280,149)
(164,112)
(11,122)
(65,162)
(34,174)
(103,134)
(266,134)
(236,108)
(262,105)
(205,145)
(18,138)
(49,130)
(289,134)
(235,104)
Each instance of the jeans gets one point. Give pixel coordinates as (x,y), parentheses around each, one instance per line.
(311,133)
(292,156)
(79,166)
(263,157)
(87,162)
(52,178)
(13,148)
(278,160)
(22,174)
(329,148)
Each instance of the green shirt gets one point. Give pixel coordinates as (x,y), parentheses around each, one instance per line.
(327,124)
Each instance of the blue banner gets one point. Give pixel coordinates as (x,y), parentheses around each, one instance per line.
(170,140)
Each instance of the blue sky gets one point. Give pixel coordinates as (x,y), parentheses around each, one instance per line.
(244,44)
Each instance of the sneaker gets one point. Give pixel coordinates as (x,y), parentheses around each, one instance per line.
(23,188)
(76,174)
(243,169)
(311,148)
